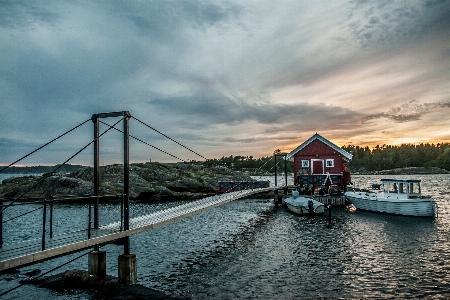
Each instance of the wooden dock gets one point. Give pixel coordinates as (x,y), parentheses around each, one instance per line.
(325,199)
(331,200)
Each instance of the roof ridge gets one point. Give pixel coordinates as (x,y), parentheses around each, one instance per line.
(317,136)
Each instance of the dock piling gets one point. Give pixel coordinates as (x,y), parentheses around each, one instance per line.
(97,263)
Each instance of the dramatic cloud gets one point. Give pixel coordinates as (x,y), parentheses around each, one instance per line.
(410,111)
(234,77)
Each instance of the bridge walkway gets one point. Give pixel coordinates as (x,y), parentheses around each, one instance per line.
(31,251)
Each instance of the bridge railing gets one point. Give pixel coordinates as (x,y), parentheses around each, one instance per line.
(25,215)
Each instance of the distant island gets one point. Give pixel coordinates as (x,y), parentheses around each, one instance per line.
(67,168)
(148,181)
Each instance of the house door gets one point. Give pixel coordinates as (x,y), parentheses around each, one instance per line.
(317,167)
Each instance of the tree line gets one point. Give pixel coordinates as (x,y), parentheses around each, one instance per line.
(263,164)
(388,157)
(378,158)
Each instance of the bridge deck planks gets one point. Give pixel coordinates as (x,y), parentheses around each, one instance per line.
(30,251)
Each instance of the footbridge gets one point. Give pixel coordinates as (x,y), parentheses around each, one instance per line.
(34,250)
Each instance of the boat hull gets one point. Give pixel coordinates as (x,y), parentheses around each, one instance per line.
(300,206)
(419,207)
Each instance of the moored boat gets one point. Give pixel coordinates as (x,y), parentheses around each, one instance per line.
(304,205)
(397,197)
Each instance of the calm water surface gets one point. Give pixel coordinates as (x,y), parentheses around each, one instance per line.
(249,249)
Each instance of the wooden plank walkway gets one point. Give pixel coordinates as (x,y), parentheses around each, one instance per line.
(30,252)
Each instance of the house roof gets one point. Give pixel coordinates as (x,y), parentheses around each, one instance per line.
(323,140)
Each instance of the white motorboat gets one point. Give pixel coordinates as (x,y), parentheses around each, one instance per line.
(304,205)
(397,197)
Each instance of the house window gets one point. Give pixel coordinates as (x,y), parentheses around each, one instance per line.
(330,163)
(305,163)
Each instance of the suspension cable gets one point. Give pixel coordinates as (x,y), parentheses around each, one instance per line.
(56,169)
(167,137)
(6,167)
(112,127)
(28,212)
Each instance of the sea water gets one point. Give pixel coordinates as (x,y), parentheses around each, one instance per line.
(251,249)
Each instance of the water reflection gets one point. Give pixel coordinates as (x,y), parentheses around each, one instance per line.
(249,249)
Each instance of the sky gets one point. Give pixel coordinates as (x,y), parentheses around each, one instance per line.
(222,78)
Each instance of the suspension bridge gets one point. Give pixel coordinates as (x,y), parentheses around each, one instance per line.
(48,246)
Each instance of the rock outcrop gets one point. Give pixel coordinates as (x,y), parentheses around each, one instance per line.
(100,288)
(148,181)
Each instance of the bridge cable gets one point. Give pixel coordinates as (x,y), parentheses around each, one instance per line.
(168,137)
(173,141)
(231,188)
(4,168)
(22,284)
(56,169)
(112,127)
(29,212)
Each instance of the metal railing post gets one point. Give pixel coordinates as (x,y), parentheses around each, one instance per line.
(89,217)
(121,214)
(44,220)
(51,218)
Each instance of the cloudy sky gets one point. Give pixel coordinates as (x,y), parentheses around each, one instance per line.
(233,77)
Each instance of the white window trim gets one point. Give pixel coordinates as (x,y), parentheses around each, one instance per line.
(329,161)
(305,163)
(312,166)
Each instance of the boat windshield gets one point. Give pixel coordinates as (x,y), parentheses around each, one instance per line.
(402,188)
(414,187)
(393,187)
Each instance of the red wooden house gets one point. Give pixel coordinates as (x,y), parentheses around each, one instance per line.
(320,162)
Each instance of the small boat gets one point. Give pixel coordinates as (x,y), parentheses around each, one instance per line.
(304,205)
(395,196)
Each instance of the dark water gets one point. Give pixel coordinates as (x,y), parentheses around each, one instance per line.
(249,249)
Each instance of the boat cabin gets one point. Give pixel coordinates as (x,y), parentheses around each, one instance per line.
(402,188)
(319,162)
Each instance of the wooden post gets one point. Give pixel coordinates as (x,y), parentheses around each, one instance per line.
(285,172)
(275,168)
(329,215)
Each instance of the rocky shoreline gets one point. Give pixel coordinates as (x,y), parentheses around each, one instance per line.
(148,182)
(100,288)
